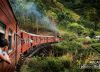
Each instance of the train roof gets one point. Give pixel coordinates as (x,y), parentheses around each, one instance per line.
(35,34)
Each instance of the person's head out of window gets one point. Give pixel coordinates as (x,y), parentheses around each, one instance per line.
(3,54)
(3,43)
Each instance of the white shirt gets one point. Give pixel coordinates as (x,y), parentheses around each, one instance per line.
(1,51)
(6,56)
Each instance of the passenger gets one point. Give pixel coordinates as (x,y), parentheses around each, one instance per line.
(3,55)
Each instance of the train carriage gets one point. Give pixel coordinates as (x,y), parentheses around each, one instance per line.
(8,31)
(19,40)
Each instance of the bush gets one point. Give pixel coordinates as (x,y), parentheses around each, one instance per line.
(48,64)
(75,27)
(69,36)
(94,41)
(53,65)
(92,34)
(96,46)
(64,47)
(86,41)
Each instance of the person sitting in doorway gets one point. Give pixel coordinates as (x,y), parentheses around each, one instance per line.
(3,55)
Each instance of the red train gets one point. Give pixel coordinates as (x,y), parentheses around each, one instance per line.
(19,40)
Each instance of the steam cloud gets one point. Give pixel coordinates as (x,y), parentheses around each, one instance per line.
(30,9)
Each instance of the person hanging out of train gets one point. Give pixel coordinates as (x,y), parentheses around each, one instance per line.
(3,55)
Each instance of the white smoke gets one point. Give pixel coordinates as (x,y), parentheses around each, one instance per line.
(30,9)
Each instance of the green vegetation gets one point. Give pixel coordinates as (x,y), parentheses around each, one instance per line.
(49,64)
(96,46)
(78,23)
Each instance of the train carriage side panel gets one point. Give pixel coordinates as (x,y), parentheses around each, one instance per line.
(8,29)
(25,42)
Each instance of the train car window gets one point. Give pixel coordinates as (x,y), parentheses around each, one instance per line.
(40,39)
(31,41)
(2,30)
(35,39)
(25,40)
(2,35)
(2,27)
(22,41)
(18,41)
(14,39)
(9,39)
(21,35)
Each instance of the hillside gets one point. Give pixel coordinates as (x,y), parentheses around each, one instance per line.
(60,12)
